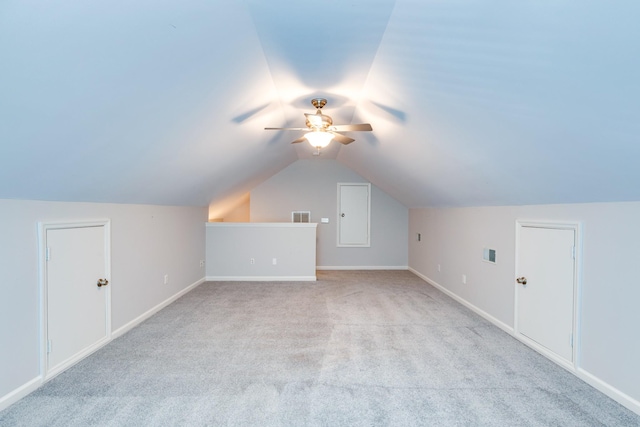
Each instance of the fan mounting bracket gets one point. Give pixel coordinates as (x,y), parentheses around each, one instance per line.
(318,102)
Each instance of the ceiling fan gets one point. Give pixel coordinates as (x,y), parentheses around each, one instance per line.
(321,130)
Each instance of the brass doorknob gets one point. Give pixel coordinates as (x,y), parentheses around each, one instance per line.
(102,282)
(522,280)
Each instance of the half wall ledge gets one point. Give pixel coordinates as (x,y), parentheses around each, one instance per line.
(260,251)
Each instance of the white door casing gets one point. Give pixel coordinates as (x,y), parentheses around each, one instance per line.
(76,311)
(545,309)
(354,207)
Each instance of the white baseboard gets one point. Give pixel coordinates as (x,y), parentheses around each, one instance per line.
(464,302)
(261,278)
(34,384)
(17,394)
(620,397)
(362,267)
(600,385)
(144,316)
(57,370)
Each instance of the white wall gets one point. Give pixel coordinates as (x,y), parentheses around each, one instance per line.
(147,242)
(232,209)
(610,314)
(312,185)
(231,246)
(241,212)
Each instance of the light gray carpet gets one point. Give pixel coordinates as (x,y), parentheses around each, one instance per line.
(353,349)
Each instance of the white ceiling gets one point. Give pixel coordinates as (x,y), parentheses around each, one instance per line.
(472,103)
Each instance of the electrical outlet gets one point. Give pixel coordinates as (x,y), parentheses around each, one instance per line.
(166,279)
(275,261)
(201,263)
(439,268)
(252,260)
(464,279)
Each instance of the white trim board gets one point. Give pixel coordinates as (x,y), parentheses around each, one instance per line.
(147,314)
(362,267)
(261,278)
(22,391)
(600,385)
(263,224)
(464,302)
(625,400)
(34,384)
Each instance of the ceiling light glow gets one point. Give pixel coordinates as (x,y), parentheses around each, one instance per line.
(319,139)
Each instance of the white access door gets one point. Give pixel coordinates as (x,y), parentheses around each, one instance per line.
(77,295)
(354,204)
(545,288)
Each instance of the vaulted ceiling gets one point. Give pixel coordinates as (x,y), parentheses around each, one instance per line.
(472,103)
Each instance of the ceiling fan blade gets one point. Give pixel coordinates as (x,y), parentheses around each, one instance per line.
(352,128)
(342,139)
(286,129)
(301,139)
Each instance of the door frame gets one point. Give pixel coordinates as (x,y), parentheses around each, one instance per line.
(339,207)
(43,227)
(577,291)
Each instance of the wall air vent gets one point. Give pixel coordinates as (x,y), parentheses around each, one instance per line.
(489,255)
(301,216)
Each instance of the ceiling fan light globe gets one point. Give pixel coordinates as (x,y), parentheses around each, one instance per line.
(319,139)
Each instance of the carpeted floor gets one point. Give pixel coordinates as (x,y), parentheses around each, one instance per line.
(359,348)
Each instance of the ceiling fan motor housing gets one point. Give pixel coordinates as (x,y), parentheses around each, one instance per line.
(321,126)
(318,121)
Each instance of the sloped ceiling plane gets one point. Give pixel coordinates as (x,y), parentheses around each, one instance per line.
(472,103)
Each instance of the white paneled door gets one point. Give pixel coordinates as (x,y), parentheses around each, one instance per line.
(354,203)
(545,288)
(77,294)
